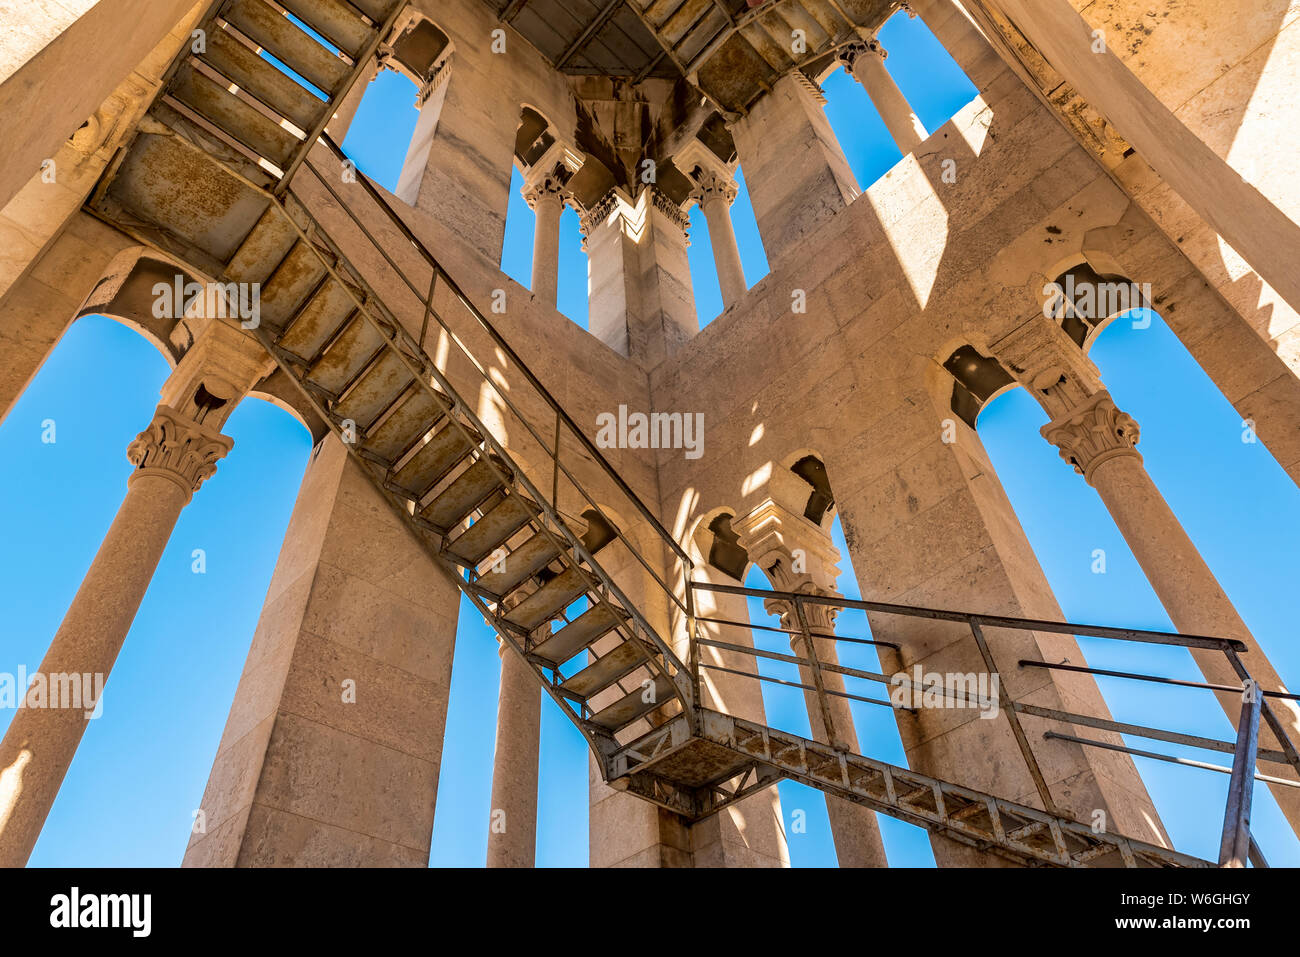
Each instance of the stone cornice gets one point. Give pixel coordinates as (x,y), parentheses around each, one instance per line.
(178,449)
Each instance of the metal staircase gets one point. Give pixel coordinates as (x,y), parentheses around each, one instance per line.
(230,173)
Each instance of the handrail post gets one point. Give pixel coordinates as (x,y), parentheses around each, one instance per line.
(1234,849)
(1009,708)
(692,643)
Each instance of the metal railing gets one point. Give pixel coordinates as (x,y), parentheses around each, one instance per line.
(1237,845)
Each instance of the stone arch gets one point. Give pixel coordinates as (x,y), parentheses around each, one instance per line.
(715,543)
(420,50)
(963,378)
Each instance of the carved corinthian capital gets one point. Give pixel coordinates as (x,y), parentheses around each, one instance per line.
(178,449)
(1092,433)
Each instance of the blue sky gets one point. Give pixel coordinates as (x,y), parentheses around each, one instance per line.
(142,767)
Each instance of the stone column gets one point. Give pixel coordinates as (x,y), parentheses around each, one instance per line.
(715,194)
(798,556)
(865,62)
(173,457)
(1099,441)
(546,198)
(512,835)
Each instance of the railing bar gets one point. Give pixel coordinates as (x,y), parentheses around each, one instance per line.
(1026,663)
(1168,758)
(797,684)
(788,631)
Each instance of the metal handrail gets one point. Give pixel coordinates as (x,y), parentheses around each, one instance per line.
(589,446)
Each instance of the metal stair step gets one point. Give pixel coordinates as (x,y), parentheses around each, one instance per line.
(319,320)
(634,705)
(410,421)
(521,564)
(346,356)
(551,599)
(606,670)
(296,278)
(237,119)
(260,78)
(479,540)
(288,43)
(592,625)
(377,389)
(266,244)
(334,21)
(434,459)
(465,493)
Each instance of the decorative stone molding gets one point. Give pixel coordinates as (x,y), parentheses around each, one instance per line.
(178,449)
(851,52)
(544,188)
(598,213)
(815,91)
(616,202)
(711,186)
(1093,433)
(675,213)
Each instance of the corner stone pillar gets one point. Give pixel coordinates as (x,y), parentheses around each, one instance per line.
(642,303)
(865,62)
(1099,441)
(798,556)
(795,169)
(331,752)
(512,836)
(173,457)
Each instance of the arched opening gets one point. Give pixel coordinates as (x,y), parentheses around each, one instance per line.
(1200,456)
(144,763)
(926,76)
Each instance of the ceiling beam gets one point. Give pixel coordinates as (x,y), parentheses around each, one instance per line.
(593,28)
(512,10)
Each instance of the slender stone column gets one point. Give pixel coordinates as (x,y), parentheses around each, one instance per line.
(1099,441)
(715,194)
(546,197)
(797,556)
(512,835)
(865,61)
(173,457)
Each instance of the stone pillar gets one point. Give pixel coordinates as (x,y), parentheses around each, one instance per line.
(341,121)
(172,458)
(546,196)
(952,27)
(715,193)
(642,304)
(512,836)
(74,54)
(1099,441)
(458,165)
(331,752)
(865,62)
(798,556)
(795,170)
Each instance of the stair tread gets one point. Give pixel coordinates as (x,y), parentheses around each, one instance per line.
(376,10)
(318,320)
(289,43)
(407,423)
(490,531)
(263,80)
(377,389)
(450,506)
(588,627)
(521,564)
(263,248)
(604,671)
(434,459)
(347,355)
(633,705)
(551,599)
(333,21)
(233,116)
(295,279)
